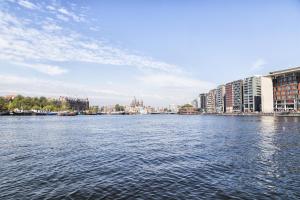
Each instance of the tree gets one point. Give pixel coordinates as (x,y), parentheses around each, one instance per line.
(36,107)
(94,109)
(187,106)
(119,108)
(3,104)
(50,108)
(16,103)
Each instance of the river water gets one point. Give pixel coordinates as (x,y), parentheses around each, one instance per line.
(150,157)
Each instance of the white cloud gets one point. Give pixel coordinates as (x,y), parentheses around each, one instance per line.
(175,81)
(20,85)
(258,64)
(51,27)
(27,4)
(34,44)
(43,68)
(172,88)
(160,93)
(70,14)
(22,41)
(62,17)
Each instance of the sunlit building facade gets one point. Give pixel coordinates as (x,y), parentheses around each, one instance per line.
(211,101)
(234,96)
(286,90)
(229,97)
(258,94)
(220,99)
(252,94)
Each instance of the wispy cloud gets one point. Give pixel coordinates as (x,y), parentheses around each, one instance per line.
(29,41)
(258,64)
(173,88)
(35,44)
(51,27)
(161,91)
(70,14)
(52,88)
(175,81)
(43,68)
(27,4)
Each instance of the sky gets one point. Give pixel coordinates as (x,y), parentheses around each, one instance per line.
(162,51)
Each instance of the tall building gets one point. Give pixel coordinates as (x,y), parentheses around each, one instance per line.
(258,94)
(229,97)
(202,102)
(267,104)
(211,101)
(234,96)
(252,94)
(237,96)
(220,99)
(286,89)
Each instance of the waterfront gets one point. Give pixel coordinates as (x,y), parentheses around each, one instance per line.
(150,157)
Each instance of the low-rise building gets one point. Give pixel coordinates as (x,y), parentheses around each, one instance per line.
(74,103)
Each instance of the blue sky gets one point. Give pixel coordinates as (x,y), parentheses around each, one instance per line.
(165,52)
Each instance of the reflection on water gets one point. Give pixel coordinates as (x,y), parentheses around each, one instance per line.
(149,157)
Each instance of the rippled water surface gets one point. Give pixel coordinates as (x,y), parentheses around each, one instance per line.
(149,157)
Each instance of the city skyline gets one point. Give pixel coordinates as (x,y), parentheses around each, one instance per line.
(162,52)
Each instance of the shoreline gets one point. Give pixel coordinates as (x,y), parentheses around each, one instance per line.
(204,114)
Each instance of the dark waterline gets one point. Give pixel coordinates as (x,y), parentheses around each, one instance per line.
(150,157)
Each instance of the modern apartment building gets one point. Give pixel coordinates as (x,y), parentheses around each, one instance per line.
(211,101)
(202,102)
(286,89)
(220,99)
(252,94)
(266,95)
(229,97)
(237,87)
(258,94)
(279,91)
(234,96)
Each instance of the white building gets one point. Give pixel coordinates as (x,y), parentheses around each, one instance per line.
(220,99)
(267,103)
(258,94)
(211,101)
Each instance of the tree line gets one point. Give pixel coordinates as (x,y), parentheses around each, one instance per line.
(31,103)
(41,103)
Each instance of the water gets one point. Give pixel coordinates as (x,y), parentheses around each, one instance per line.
(149,157)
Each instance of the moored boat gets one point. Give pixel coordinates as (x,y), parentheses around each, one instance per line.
(39,113)
(3,113)
(66,113)
(22,112)
(52,113)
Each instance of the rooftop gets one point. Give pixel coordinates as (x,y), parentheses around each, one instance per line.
(285,71)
